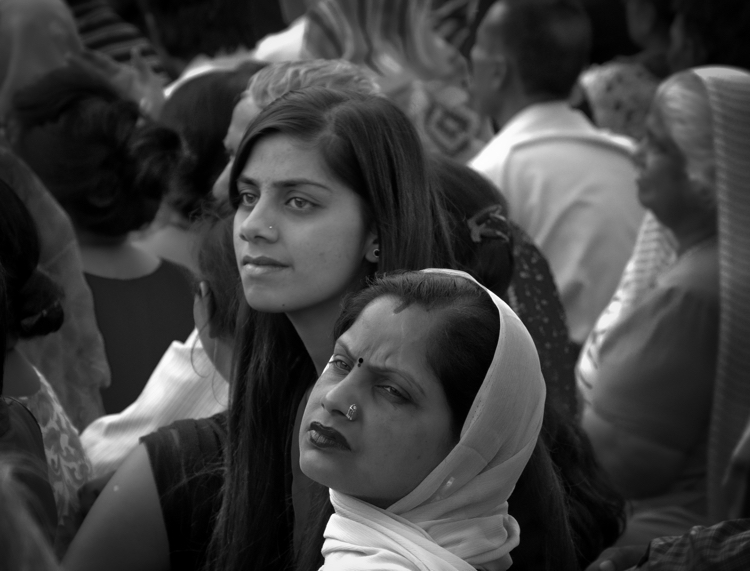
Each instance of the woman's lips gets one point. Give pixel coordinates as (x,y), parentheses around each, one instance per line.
(261,265)
(326,438)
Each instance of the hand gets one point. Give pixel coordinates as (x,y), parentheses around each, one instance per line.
(618,558)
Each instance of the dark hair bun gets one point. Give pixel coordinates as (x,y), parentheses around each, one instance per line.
(39,307)
(106,164)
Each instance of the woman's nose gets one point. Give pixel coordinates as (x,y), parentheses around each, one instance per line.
(260,223)
(339,397)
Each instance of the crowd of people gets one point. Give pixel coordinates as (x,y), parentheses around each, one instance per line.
(362,284)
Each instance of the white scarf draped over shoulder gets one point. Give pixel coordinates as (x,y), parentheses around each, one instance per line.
(457,518)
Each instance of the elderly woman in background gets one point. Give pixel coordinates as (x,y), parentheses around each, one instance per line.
(649,414)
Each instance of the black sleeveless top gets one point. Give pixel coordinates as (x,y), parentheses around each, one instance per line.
(188,465)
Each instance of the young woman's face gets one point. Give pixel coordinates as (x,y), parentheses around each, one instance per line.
(300,235)
(402,428)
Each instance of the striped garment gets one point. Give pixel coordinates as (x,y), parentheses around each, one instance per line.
(101,29)
(184,384)
(729,95)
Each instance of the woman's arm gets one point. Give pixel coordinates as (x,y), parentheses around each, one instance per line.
(125,528)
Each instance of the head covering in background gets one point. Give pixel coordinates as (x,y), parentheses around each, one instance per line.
(729,97)
(457,518)
(36,36)
(415,67)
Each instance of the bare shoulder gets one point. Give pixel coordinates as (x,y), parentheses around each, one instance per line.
(125,527)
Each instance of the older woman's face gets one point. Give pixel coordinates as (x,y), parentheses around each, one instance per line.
(403,426)
(663,184)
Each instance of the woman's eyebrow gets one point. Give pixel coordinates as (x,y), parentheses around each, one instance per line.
(285,183)
(292,182)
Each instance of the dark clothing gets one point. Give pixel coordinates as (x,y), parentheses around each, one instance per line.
(21,436)
(534,297)
(188,465)
(138,320)
(721,547)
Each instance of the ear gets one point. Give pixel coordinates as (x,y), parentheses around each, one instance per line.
(372,248)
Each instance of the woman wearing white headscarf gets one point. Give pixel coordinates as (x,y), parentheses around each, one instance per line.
(454,515)
(673,389)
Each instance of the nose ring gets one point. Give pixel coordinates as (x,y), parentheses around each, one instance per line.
(351,414)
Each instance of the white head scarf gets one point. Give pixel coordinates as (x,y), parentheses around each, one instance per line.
(457,518)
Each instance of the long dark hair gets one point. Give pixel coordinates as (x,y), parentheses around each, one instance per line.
(371,146)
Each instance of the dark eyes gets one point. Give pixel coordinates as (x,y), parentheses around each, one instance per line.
(341,365)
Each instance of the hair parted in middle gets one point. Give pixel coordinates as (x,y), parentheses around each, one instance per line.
(369,145)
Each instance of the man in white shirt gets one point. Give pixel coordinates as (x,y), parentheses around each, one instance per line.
(568,184)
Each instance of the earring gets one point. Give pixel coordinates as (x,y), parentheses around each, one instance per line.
(270,227)
(376,252)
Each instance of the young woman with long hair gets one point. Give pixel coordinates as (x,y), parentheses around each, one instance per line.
(330,188)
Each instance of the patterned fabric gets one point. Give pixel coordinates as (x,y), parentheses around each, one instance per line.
(729,95)
(424,75)
(68,466)
(722,547)
(534,298)
(71,359)
(620,95)
(101,29)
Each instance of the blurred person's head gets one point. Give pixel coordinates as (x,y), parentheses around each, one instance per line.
(274,81)
(649,19)
(201,110)
(528,51)
(477,213)
(33,301)
(705,32)
(105,163)
(184,29)
(676,158)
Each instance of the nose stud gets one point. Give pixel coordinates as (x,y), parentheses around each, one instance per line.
(351,414)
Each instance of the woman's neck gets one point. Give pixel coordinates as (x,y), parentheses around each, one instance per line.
(315,328)
(114,258)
